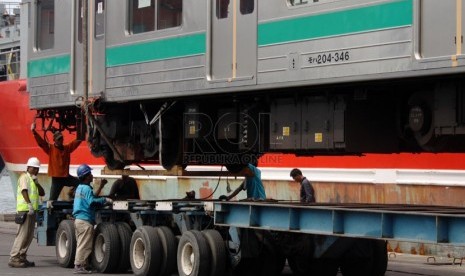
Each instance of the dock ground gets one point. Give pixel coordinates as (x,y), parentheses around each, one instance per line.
(46,264)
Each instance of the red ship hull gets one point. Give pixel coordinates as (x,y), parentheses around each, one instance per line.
(16,141)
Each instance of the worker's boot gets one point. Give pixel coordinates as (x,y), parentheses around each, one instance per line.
(29,264)
(80,269)
(22,258)
(17,264)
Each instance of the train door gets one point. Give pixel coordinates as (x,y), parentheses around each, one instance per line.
(97,73)
(233,40)
(438,30)
(95,49)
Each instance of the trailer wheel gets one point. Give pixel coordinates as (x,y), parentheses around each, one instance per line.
(380,258)
(65,240)
(107,248)
(298,248)
(269,263)
(168,245)
(267,260)
(300,266)
(145,251)
(324,266)
(125,234)
(217,252)
(357,261)
(271,259)
(193,255)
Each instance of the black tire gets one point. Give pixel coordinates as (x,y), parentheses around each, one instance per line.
(169,248)
(267,260)
(247,267)
(65,247)
(324,267)
(106,249)
(299,265)
(380,258)
(145,251)
(281,263)
(217,252)
(271,260)
(298,248)
(125,234)
(193,256)
(358,260)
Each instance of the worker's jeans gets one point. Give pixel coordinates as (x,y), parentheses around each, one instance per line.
(84,234)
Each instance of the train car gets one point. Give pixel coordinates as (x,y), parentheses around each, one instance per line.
(367,86)
(224,81)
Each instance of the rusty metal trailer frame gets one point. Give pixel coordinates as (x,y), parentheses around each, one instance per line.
(428,224)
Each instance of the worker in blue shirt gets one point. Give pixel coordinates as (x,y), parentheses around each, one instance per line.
(252,184)
(85,203)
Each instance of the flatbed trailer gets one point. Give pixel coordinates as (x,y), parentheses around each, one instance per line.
(428,224)
(197,237)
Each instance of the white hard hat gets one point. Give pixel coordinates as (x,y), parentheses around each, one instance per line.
(33,162)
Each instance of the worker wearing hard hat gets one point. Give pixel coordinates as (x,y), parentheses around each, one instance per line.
(27,204)
(84,213)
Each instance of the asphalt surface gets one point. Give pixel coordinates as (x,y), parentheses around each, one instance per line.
(46,264)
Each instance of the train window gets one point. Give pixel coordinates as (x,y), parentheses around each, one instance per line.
(99,18)
(222,7)
(80,16)
(169,14)
(247,6)
(141,16)
(45,23)
(299,2)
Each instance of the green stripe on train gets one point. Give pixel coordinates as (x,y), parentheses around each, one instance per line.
(156,50)
(48,66)
(128,54)
(383,16)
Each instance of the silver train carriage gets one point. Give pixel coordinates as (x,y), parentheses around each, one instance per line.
(223,81)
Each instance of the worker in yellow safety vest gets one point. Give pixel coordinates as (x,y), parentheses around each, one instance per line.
(27,204)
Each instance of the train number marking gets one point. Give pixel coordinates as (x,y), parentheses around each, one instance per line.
(331,57)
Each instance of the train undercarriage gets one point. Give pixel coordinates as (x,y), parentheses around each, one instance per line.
(233,130)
